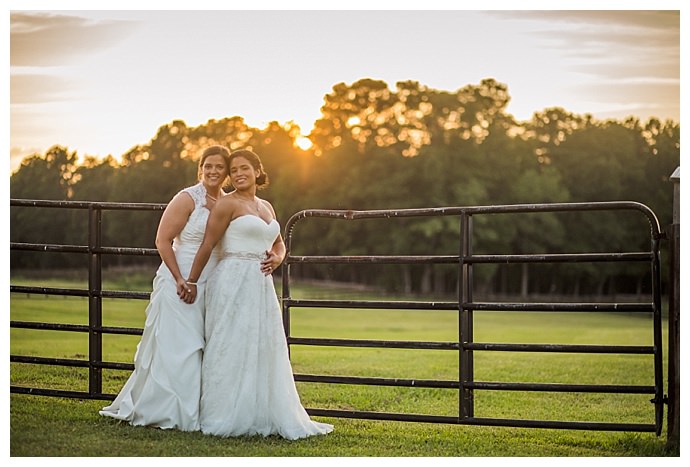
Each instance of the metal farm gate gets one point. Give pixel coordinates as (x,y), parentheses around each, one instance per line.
(465,305)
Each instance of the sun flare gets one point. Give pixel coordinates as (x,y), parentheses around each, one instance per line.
(303,143)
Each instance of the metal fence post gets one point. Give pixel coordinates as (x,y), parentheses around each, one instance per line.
(465,322)
(95,302)
(673,435)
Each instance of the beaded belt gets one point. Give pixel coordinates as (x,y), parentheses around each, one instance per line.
(244,255)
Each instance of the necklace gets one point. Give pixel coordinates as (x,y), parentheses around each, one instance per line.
(211,197)
(254,204)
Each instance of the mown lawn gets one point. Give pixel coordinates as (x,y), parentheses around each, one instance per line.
(47,426)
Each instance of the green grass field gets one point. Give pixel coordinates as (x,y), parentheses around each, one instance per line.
(47,426)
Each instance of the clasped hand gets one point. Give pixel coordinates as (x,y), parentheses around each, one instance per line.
(186,292)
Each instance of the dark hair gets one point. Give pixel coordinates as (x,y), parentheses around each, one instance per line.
(215,150)
(262,179)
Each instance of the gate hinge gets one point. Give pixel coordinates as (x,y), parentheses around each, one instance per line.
(664,400)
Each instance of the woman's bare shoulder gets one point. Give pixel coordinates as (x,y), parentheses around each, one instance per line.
(181,200)
(267,204)
(227,200)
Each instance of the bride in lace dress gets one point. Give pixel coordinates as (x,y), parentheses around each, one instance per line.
(164,389)
(247,385)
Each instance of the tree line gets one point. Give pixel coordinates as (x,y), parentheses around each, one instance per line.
(377,147)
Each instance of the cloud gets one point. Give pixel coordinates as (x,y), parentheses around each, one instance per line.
(654,69)
(39,88)
(614,97)
(642,19)
(45,40)
(623,53)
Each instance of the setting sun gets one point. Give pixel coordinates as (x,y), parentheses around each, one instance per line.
(67,66)
(303,143)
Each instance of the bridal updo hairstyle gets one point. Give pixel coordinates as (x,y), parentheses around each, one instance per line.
(262,179)
(216,150)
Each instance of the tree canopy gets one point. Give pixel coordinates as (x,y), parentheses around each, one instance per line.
(377,147)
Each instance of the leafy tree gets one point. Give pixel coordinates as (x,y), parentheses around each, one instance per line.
(46,177)
(49,177)
(377,147)
(95,179)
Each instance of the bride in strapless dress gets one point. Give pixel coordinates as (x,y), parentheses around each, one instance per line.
(247,385)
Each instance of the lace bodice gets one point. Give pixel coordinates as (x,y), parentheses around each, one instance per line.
(192,234)
(187,242)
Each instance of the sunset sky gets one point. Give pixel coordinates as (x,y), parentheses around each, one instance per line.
(99,82)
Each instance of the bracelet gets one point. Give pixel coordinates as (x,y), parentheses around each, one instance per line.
(190,283)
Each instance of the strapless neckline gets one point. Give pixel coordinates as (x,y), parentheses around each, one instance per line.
(256,217)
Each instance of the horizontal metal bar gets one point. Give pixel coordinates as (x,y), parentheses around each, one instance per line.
(70,362)
(110,250)
(572,425)
(563,348)
(115,366)
(49,361)
(373,259)
(49,247)
(74,328)
(473,210)
(503,306)
(560,387)
(368,381)
(373,343)
(107,250)
(476,306)
(125,294)
(48,291)
(120,330)
(402,417)
(561,425)
(370,304)
(470,210)
(476,385)
(478,346)
(560,258)
(43,203)
(80,292)
(60,393)
(49,326)
(107,205)
(454,259)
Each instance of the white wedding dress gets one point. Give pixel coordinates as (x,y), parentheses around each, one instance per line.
(164,389)
(247,383)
